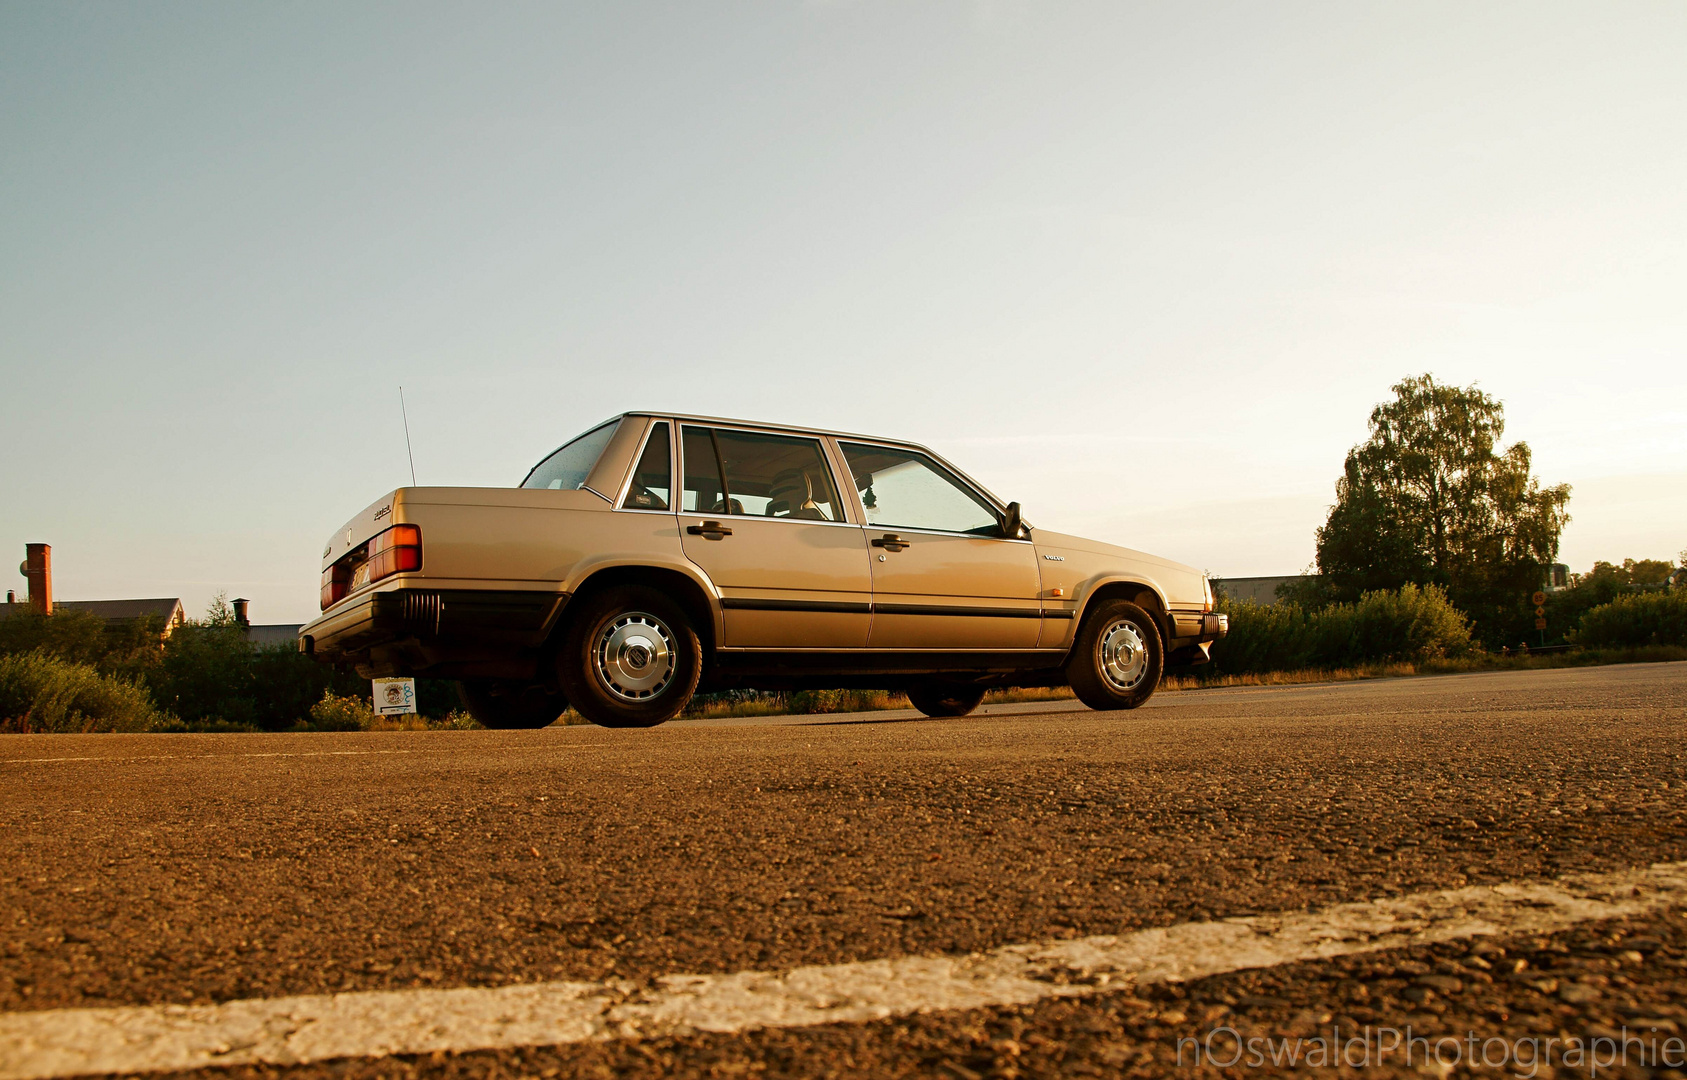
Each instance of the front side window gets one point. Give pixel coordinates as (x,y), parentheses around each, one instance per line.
(907,489)
(567,469)
(653,479)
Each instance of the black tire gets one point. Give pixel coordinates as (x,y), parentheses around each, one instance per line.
(1118,657)
(507,703)
(945,699)
(629,658)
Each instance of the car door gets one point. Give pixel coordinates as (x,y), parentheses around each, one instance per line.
(761,513)
(943,575)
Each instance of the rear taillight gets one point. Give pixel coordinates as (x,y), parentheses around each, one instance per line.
(390,552)
(336,582)
(394,551)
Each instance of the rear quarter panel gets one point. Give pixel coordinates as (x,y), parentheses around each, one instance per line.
(514,538)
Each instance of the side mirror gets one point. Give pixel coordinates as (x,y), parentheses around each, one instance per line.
(1012,527)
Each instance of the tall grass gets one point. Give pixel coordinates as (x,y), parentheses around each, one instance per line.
(42,693)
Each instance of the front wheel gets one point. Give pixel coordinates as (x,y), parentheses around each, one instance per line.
(629,658)
(506,703)
(936,699)
(1118,657)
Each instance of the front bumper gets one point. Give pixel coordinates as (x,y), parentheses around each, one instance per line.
(1190,627)
(1195,633)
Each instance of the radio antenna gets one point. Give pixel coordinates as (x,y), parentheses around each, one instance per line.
(402,411)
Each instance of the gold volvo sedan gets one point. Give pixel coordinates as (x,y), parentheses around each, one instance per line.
(656,556)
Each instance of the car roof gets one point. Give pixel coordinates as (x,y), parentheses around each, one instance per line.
(768,425)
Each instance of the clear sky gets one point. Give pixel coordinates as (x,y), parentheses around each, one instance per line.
(1145,269)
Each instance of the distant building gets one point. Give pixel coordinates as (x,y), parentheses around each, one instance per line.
(166,609)
(1253,590)
(265,635)
(38,567)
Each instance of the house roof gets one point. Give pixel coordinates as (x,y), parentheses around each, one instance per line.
(270,635)
(164,607)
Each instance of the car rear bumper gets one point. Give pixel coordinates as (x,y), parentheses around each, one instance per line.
(417,629)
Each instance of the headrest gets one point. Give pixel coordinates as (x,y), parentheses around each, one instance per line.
(794,486)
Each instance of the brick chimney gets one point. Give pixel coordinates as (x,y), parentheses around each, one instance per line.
(38,567)
(240,618)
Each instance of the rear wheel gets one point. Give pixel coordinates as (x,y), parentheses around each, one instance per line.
(629,658)
(939,699)
(1118,657)
(506,703)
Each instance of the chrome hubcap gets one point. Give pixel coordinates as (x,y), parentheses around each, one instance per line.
(1123,655)
(634,656)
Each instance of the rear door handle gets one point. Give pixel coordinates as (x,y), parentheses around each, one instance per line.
(709,530)
(890,542)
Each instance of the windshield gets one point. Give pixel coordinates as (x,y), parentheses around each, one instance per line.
(568,468)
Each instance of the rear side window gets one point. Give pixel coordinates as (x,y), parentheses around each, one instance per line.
(777,476)
(704,492)
(567,469)
(653,479)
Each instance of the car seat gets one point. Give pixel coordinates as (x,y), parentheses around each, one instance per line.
(792,495)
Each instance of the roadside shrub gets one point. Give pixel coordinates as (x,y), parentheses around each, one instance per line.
(1414,623)
(342,713)
(210,673)
(41,693)
(1656,618)
(350,712)
(118,648)
(831,701)
(1409,624)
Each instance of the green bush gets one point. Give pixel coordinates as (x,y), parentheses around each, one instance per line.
(210,673)
(1655,618)
(42,693)
(118,648)
(337,713)
(352,712)
(1409,624)
(206,676)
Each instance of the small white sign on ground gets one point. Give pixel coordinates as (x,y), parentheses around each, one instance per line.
(395,697)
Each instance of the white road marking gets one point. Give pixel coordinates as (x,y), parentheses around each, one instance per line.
(178,757)
(71,1042)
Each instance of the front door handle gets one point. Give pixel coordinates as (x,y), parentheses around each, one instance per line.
(709,530)
(890,542)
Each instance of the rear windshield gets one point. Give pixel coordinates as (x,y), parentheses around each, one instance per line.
(568,468)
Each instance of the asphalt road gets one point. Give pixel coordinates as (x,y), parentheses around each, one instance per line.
(167,869)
